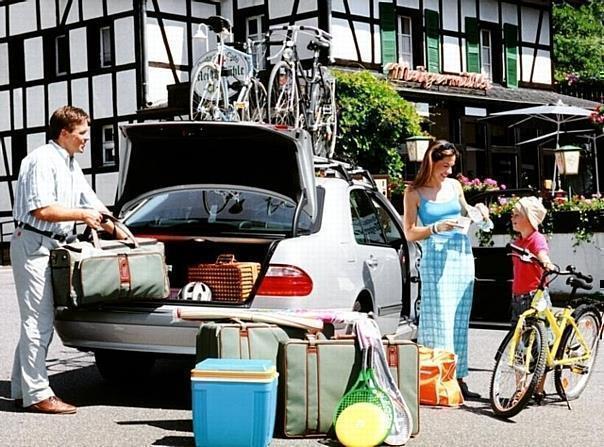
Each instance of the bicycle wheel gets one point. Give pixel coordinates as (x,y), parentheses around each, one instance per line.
(206,93)
(517,373)
(283,96)
(255,110)
(571,380)
(324,118)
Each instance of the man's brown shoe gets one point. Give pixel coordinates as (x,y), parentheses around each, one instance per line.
(52,405)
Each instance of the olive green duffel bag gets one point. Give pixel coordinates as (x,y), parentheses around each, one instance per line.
(109,271)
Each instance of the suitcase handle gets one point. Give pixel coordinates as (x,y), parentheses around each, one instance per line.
(225,259)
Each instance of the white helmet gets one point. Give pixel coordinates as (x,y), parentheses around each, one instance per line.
(195,291)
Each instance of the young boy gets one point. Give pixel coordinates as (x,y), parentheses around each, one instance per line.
(527,214)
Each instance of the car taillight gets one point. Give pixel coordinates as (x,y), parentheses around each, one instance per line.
(285,280)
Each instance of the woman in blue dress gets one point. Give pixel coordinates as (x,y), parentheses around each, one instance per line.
(447,264)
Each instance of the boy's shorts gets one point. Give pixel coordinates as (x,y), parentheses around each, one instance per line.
(520,303)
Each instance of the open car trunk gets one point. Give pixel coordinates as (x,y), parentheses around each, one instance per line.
(185,256)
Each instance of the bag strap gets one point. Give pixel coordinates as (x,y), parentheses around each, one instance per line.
(130,239)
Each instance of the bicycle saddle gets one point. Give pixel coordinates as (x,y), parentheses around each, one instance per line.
(217,23)
(317,44)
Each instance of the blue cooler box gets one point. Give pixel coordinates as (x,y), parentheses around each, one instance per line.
(233,402)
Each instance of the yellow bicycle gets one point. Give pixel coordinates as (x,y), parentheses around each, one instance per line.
(526,355)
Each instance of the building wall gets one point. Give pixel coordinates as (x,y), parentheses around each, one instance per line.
(153,47)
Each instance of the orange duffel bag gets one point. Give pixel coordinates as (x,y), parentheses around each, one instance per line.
(437,379)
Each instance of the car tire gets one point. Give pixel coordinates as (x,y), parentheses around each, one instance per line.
(123,366)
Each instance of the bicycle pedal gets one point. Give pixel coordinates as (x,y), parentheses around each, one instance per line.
(241,105)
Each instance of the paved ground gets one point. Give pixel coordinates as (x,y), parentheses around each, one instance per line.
(157,411)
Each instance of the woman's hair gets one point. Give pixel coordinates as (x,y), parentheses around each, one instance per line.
(438,150)
(66,117)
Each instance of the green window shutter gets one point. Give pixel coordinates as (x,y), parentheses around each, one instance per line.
(472,45)
(388,33)
(432,41)
(510,34)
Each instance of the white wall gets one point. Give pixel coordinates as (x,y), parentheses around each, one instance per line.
(35,99)
(587,257)
(5,111)
(34,62)
(78,53)
(4,66)
(22,17)
(124,41)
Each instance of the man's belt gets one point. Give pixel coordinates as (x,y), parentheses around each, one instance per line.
(50,234)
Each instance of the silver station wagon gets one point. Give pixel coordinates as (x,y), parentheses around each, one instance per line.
(321,233)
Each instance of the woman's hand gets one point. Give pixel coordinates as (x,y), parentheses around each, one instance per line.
(445,225)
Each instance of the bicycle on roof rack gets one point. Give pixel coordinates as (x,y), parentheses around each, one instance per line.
(224,84)
(299,97)
(525,356)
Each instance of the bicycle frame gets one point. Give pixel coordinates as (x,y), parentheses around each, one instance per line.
(564,318)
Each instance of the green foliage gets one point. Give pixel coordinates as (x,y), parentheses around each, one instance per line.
(373,122)
(579,40)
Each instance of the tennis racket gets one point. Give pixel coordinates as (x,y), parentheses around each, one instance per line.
(367,390)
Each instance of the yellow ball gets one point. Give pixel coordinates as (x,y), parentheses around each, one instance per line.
(362,425)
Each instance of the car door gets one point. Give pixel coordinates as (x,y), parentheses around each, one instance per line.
(381,264)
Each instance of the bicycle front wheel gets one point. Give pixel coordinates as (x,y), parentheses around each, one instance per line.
(519,366)
(283,96)
(571,380)
(206,93)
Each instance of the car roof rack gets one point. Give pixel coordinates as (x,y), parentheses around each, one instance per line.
(334,168)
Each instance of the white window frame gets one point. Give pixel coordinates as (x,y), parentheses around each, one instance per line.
(108,145)
(106,54)
(486,54)
(259,56)
(58,71)
(407,57)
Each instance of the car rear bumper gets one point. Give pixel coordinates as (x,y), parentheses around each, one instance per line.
(153,330)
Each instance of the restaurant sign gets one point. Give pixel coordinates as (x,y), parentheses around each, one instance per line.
(426,79)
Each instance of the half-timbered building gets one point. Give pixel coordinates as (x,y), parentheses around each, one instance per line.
(129,60)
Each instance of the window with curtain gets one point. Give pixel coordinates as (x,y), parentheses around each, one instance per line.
(486,53)
(405,41)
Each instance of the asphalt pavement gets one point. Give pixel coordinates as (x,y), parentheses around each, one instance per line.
(157,411)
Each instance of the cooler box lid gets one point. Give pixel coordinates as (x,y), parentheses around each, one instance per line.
(234,369)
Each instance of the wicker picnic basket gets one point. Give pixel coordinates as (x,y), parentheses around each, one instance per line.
(228,279)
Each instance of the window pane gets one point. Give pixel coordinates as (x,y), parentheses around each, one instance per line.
(389,228)
(106,54)
(368,218)
(62,54)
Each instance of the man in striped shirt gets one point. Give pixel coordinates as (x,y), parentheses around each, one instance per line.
(51,196)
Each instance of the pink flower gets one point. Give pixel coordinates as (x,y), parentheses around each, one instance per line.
(502,187)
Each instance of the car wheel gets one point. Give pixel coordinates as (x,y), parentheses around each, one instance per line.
(123,366)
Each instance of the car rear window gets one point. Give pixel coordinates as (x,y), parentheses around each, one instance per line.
(216,210)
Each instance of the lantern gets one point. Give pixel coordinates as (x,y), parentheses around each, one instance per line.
(567,159)
(417,147)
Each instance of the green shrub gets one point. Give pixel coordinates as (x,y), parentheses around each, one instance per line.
(373,122)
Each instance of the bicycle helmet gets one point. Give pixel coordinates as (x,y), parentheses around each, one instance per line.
(195,291)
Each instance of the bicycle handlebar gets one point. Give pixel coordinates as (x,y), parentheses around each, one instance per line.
(579,280)
(587,278)
(304,28)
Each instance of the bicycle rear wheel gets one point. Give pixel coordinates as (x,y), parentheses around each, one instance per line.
(283,96)
(518,368)
(206,93)
(256,102)
(571,380)
(322,122)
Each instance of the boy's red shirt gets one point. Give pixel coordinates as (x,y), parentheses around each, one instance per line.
(526,274)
